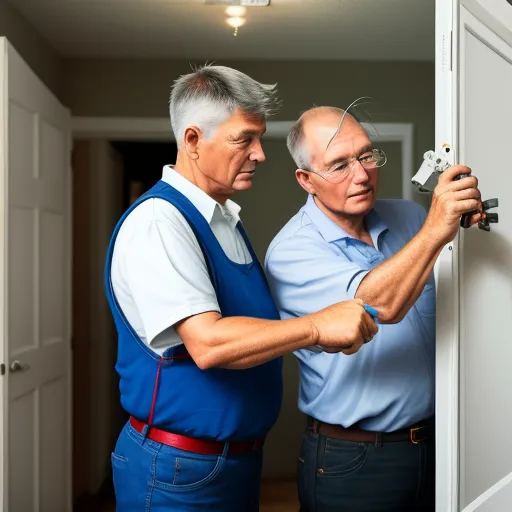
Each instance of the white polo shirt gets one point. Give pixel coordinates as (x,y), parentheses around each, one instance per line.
(159,274)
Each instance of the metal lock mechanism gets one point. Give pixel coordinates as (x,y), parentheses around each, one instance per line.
(425,180)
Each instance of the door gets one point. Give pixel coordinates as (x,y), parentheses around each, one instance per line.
(474,348)
(35,298)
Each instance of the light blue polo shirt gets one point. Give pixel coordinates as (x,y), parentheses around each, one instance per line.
(312,263)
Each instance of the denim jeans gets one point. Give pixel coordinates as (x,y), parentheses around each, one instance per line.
(342,476)
(152,477)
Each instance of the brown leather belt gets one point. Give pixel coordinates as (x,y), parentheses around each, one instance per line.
(416,434)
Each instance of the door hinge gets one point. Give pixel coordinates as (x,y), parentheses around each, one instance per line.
(2,369)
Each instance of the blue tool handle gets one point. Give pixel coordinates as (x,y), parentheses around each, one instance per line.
(371,311)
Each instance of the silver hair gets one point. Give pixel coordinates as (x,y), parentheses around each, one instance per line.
(296,142)
(209,96)
(297,145)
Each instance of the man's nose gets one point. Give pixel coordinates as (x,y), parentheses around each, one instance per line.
(257,154)
(360,173)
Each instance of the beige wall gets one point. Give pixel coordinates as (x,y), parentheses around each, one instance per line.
(404,91)
(35,50)
(390,176)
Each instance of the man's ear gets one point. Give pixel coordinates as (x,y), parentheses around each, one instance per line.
(304,179)
(191,139)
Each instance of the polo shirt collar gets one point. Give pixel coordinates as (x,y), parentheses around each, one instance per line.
(206,205)
(332,232)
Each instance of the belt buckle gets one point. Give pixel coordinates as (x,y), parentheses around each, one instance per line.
(413,431)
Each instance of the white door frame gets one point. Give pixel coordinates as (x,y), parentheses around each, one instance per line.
(447,331)
(3,249)
(159,129)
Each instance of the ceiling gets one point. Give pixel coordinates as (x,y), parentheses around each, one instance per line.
(287,29)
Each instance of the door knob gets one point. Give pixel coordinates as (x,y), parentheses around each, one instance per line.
(17,366)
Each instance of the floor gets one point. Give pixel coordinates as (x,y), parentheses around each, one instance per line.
(279,496)
(276,496)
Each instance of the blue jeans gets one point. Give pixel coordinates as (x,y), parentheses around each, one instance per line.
(344,476)
(149,476)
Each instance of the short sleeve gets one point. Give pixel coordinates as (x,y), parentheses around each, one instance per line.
(307,275)
(164,274)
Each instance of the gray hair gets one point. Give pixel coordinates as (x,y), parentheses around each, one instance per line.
(297,145)
(296,142)
(209,96)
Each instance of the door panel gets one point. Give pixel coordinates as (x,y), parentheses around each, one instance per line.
(35,180)
(473,378)
(485,263)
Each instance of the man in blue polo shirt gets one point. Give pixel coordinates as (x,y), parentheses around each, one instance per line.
(369,444)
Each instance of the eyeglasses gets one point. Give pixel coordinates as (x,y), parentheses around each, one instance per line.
(340,171)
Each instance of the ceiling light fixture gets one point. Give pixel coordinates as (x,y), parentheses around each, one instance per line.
(236,10)
(236,22)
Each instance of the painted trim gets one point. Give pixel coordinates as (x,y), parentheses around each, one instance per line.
(494,14)
(490,493)
(159,129)
(4,159)
(447,272)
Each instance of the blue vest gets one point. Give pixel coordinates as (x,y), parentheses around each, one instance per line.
(171,392)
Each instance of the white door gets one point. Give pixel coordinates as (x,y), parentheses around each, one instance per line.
(474,344)
(35,298)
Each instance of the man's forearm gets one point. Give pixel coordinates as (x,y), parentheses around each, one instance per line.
(241,342)
(395,285)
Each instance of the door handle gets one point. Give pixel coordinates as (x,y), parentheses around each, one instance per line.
(18,366)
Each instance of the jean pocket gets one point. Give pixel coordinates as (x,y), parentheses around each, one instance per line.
(121,479)
(118,460)
(341,458)
(177,470)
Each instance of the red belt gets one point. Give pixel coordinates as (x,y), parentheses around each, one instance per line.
(190,444)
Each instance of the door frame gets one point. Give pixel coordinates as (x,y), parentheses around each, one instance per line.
(3,262)
(159,129)
(447,318)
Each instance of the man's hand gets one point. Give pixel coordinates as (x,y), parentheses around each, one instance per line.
(343,327)
(452,198)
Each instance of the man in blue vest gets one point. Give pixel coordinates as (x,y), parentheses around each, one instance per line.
(369,443)
(200,339)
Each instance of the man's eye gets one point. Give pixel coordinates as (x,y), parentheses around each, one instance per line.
(340,167)
(366,158)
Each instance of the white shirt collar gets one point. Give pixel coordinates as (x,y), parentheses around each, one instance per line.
(206,205)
